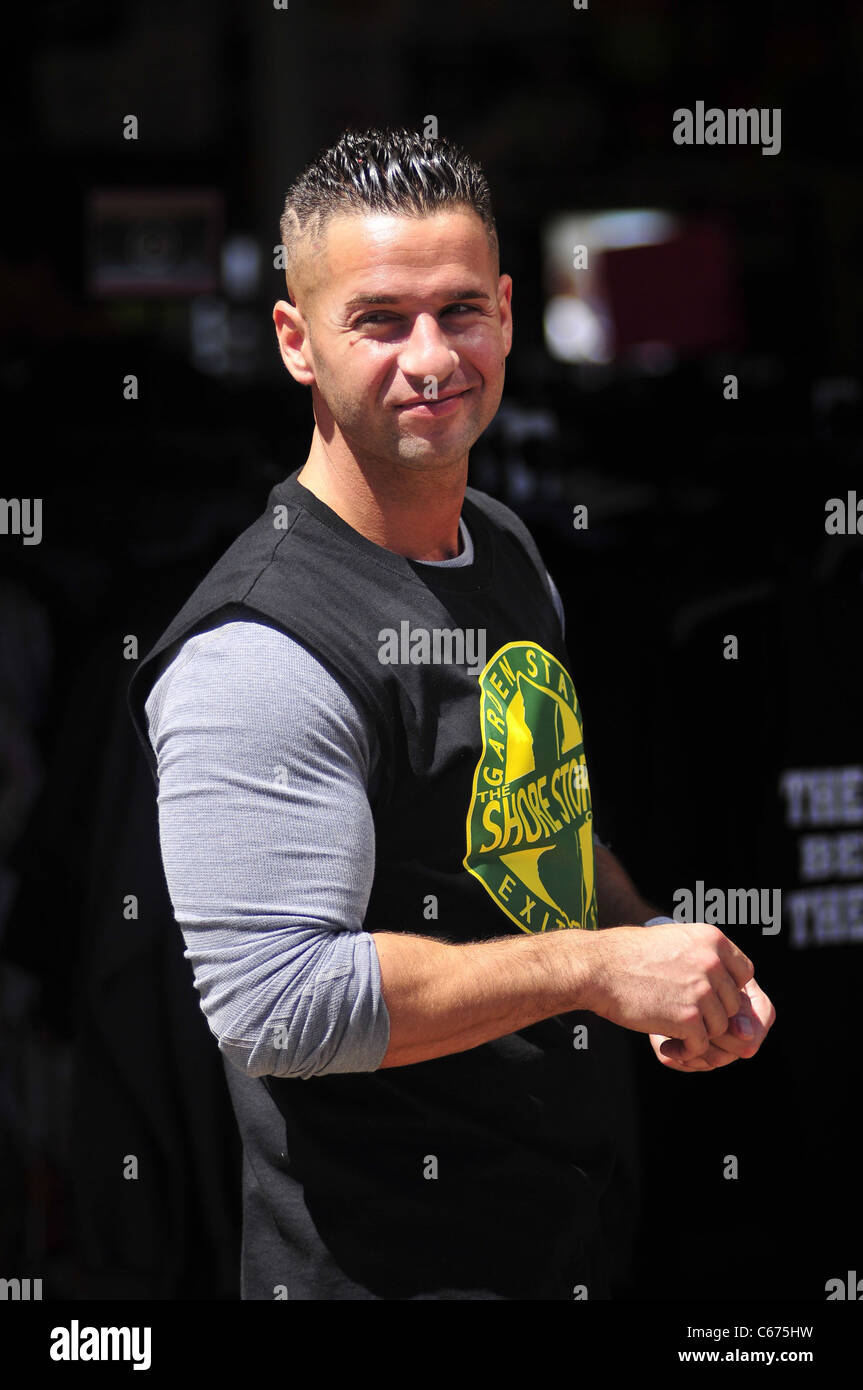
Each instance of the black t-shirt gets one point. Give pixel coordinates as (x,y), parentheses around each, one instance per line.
(480,1174)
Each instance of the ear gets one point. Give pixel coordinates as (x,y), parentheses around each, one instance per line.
(292,333)
(504,300)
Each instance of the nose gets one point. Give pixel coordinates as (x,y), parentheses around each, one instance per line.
(426,352)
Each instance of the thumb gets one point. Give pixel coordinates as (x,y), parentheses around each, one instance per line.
(744,1021)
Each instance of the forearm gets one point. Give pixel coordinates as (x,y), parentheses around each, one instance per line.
(448,998)
(618,900)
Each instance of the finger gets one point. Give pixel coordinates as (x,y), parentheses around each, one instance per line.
(713,1058)
(700,1064)
(762,1006)
(730,993)
(714,1017)
(712,1062)
(670,1053)
(745,1030)
(751,1004)
(694,1064)
(695,1040)
(746,1025)
(759,1013)
(738,965)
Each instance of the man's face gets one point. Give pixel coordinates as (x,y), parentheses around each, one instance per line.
(402,327)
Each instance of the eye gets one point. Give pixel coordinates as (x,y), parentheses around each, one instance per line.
(379,318)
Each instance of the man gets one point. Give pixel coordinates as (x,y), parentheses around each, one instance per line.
(374,808)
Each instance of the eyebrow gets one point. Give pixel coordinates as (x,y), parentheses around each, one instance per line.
(356,301)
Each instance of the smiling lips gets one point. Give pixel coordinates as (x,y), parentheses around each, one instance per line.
(433,402)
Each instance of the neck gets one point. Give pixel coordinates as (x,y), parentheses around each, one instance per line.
(412,512)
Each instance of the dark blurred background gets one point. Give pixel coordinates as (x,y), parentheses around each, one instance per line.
(697,390)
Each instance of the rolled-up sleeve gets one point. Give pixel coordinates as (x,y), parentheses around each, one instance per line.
(267,842)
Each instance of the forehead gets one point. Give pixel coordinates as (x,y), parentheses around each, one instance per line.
(384,250)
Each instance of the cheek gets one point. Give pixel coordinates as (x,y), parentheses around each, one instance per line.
(487,352)
(371,370)
(356,380)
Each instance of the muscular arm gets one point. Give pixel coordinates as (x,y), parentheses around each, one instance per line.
(270,872)
(680,981)
(444,998)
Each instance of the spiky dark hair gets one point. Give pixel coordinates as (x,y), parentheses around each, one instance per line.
(394,171)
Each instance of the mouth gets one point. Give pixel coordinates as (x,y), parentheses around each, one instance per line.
(444,405)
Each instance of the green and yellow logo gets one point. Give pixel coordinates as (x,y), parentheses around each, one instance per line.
(530,822)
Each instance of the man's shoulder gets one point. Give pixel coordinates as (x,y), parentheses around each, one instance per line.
(502,516)
(496,510)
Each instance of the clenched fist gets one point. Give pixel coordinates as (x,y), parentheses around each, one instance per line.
(746,1032)
(682,983)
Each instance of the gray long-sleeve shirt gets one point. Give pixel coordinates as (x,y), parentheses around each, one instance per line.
(265,766)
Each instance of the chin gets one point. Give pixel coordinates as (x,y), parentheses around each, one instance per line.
(430,456)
